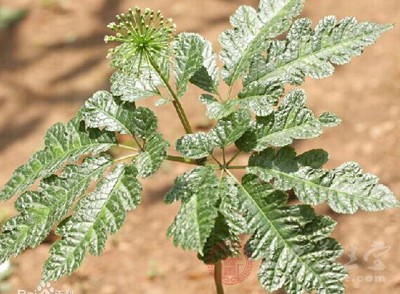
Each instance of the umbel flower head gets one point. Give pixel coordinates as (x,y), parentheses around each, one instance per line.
(142,34)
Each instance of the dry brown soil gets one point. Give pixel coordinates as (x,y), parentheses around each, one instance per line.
(54,59)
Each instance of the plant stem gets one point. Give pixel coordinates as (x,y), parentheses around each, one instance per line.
(233,158)
(216,160)
(218,277)
(178,106)
(236,167)
(181,159)
(125,157)
(127,147)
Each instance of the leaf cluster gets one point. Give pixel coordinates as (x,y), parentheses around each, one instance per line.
(218,207)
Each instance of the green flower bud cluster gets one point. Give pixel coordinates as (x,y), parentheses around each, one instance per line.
(141,34)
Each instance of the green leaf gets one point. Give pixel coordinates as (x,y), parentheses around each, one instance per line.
(345,188)
(99,214)
(227,131)
(292,120)
(251,30)
(144,122)
(262,99)
(220,244)
(207,77)
(231,128)
(104,111)
(296,252)
(230,207)
(199,210)
(308,52)
(153,155)
(259,101)
(133,87)
(188,50)
(217,110)
(195,146)
(39,211)
(223,240)
(63,143)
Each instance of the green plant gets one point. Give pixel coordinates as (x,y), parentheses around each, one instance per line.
(216,206)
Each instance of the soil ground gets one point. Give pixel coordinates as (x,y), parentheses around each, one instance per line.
(52,60)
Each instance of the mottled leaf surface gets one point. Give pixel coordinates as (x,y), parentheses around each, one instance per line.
(292,120)
(63,144)
(308,52)
(292,242)
(98,215)
(345,188)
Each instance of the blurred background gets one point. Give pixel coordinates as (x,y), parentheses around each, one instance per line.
(52,57)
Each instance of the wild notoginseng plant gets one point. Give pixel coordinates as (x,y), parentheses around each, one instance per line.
(260,121)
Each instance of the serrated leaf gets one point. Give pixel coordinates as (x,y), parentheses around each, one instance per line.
(153,155)
(345,188)
(308,52)
(195,146)
(230,207)
(220,244)
(207,77)
(224,240)
(39,211)
(292,120)
(99,214)
(292,242)
(63,143)
(135,86)
(231,128)
(144,122)
(260,102)
(251,30)
(188,50)
(104,111)
(217,110)
(199,210)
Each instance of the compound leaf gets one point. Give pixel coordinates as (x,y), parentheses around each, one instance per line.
(296,252)
(292,120)
(260,101)
(132,87)
(217,110)
(195,146)
(308,52)
(99,214)
(104,111)
(345,188)
(188,50)
(251,30)
(144,122)
(199,210)
(39,211)
(207,77)
(231,128)
(63,143)
(153,155)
